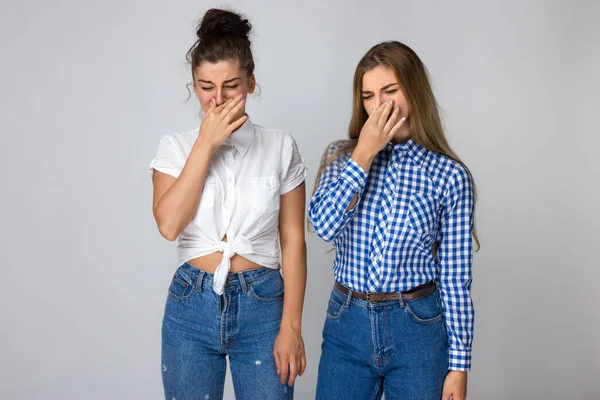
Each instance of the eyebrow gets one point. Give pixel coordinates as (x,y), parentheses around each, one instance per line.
(389,85)
(225,82)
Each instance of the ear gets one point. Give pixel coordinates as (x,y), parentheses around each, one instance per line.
(251,84)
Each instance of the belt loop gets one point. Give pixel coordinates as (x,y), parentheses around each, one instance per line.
(199,281)
(348,298)
(243,282)
(400,299)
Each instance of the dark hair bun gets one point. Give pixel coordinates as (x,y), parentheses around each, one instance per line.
(222,35)
(219,23)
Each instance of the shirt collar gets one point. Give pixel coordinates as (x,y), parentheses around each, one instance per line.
(242,138)
(415,151)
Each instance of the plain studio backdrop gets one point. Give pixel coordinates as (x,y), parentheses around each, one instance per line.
(89,88)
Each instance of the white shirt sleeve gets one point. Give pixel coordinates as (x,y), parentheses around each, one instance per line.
(168,159)
(293,171)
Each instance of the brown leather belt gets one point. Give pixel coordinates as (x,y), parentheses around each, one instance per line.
(414,293)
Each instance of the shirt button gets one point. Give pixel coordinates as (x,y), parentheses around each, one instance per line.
(382,224)
(229,159)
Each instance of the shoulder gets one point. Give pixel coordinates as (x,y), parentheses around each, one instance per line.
(272,134)
(177,144)
(338,151)
(272,138)
(452,175)
(181,139)
(338,145)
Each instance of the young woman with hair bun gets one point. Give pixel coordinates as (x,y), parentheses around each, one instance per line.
(231,193)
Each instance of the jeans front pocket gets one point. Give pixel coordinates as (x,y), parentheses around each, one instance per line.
(336,305)
(181,287)
(268,287)
(425,310)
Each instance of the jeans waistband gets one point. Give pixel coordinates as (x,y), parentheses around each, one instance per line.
(383,299)
(237,279)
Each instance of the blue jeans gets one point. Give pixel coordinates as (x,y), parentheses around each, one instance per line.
(399,348)
(201,328)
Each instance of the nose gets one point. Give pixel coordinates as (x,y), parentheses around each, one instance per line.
(219,98)
(377,100)
(380,99)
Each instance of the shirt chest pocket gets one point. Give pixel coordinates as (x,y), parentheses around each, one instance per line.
(423,212)
(265,193)
(207,199)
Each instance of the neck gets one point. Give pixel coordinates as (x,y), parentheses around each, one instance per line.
(402,135)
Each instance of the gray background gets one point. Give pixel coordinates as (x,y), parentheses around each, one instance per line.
(88,88)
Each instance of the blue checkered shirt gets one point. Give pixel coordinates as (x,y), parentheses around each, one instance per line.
(410,199)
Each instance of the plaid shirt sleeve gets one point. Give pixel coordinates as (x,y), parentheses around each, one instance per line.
(455,258)
(327,210)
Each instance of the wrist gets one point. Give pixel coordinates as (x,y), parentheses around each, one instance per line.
(458,372)
(204,145)
(290,326)
(363,157)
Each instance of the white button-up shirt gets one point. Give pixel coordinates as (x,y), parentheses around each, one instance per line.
(246,177)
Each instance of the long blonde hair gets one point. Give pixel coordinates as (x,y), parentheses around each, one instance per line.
(424,121)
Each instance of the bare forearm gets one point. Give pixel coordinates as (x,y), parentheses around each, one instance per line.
(179,203)
(363,158)
(294,277)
